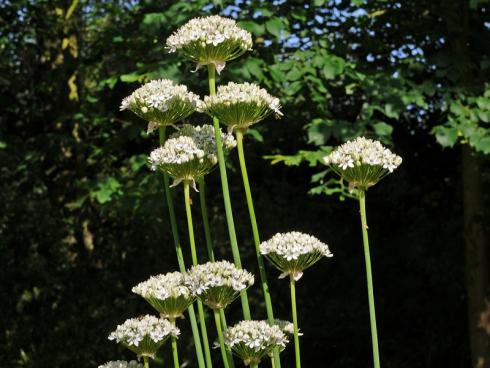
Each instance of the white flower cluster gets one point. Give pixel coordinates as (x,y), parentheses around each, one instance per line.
(294,252)
(122,364)
(217,284)
(150,328)
(161,102)
(252,340)
(169,285)
(240,105)
(167,293)
(212,39)
(363,151)
(189,153)
(285,326)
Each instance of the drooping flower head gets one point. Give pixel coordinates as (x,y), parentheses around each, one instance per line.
(240,105)
(294,252)
(362,162)
(122,364)
(218,284)
(210,40)
(190,153)
(161,102)
(254,340)
(167,293)
(144,335)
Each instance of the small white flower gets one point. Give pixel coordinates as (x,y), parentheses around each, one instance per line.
(210,40)
(144,335)
(122,364)
(190,153)
(294,252)
(240,105)
(217,284)
(362,162)
(253,340)
(161,102)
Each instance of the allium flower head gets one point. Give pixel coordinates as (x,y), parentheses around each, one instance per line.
(253,340)
(294,252)
(218,284)
(122,364)
(161,102)
(240,105)
(189,153)
(144,335)
(362,162)
(167,293)
(210,40)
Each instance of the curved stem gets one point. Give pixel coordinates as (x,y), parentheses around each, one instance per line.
(145,361)
(205,219)
(292,284)
(255,232)
(224,354)
(192,242)
(367,258)
(180,258)
(226,192)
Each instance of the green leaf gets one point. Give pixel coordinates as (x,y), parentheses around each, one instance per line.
(446,136)
(383,129)
(130,78)
(256,135)
(274,26)
(253,27)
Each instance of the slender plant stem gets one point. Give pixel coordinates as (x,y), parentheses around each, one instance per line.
(180,259)
(209,246)
(255,232)
(205,218)
(145,361)
(226,193)
(273,364)
(292,284)
(175,352)
(367,258)
(200,309)
(254,365)
(224,354)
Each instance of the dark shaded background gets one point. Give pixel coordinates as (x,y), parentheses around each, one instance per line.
(83,219)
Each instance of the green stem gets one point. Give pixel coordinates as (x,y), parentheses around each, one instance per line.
(273,364)
(224,354)
(367,258)
(145,361)
(224,326)
(175,353)
(255,232)
(205,219)
(226,193)
(292,284)
(180,258)
(200,309)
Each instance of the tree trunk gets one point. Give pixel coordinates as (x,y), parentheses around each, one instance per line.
(475,252)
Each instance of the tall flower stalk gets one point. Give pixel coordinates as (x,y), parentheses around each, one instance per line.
(363,163)
(292,253)
(200,309)
(226,193)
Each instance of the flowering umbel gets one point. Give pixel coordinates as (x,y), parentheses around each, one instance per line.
(218,284)
(294,252)
(122,364)
(253,340)
(240,105)
(190,153)
(161,102)
(144,335)
(167,293)
(362,162)
(210,40)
